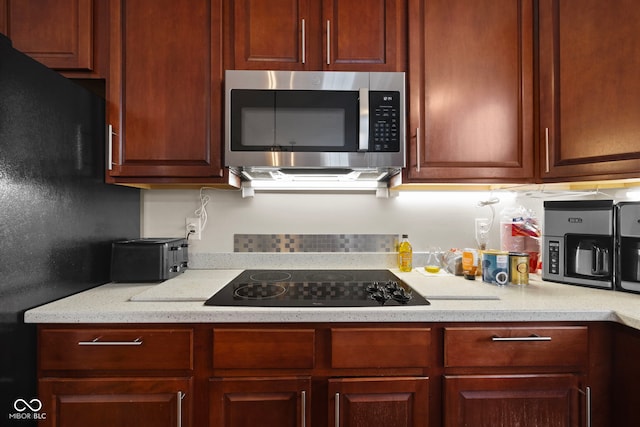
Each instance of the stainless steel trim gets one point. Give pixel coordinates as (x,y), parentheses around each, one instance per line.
(546,144)
(337,414)
(418,149)
(328,42)
(363,142)
(529,338)
(303,407)
(110,147)
(96,341)
(304,42)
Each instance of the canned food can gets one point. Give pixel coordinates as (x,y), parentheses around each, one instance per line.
(518,268)
(495,267)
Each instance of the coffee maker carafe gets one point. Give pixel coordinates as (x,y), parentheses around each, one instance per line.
(578,242)
(591,259)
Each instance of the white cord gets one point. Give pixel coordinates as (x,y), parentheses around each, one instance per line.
(201,212)
(489,202)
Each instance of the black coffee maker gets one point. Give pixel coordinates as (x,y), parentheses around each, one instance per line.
(578,243)
(628,246)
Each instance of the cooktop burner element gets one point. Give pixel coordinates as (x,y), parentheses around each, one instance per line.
(270,276)
(316,288)
(259,290)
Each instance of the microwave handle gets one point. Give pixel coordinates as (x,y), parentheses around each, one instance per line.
(363,140)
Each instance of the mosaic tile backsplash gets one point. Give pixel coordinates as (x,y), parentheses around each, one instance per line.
(315,242)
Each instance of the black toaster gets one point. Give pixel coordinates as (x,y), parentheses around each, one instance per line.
(148,259)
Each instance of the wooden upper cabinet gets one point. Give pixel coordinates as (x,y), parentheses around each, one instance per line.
(471,91)
(58,33)
(367,36)
(270,35)
(346,35)
(589,89)
(164,91)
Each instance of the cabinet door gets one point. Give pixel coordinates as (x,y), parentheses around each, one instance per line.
(123,402)
(273,35)
(471,82)
(389,402)
(346,35)
(58,33)
(264,402)
(516,400)
(364,36)
(589,89)
(626,371)
(164,90)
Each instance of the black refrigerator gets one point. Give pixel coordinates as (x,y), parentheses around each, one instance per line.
(57,216)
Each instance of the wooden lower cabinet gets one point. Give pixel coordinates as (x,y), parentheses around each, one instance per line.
(389,402)
(339,375)
(109,402)
(264,402)
(626,372)
(550,400)
(289,402)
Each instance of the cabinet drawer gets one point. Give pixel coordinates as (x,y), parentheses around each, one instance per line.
(516,346)
(145,349)
(263,348)
(380,347)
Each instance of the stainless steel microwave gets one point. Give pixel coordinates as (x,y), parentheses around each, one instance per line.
(314,122)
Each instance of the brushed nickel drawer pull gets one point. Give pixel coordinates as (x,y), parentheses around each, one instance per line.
(532,337)
(96,341)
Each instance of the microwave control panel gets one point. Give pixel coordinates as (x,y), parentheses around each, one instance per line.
(384,121)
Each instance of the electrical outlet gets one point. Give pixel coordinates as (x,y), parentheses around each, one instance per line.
(194,228)
(483,226)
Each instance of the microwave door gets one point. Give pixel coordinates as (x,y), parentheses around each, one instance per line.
(317,121)
(253,123)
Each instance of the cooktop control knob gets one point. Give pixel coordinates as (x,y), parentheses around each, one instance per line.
(388,291)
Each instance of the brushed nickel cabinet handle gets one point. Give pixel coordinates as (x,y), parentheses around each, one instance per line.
(587,406)
(532,337)
(546,144)
(418,149)
(303,407)
(337,414)
(588,397)
(181,396)
(328,42)
(96,342)
(304,42)
(110,147)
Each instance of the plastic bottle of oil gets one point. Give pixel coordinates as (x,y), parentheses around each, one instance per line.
(405,254)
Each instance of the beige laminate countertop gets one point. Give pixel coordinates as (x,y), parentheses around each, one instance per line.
(181,300)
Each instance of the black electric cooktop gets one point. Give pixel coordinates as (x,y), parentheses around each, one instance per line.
(316,288)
